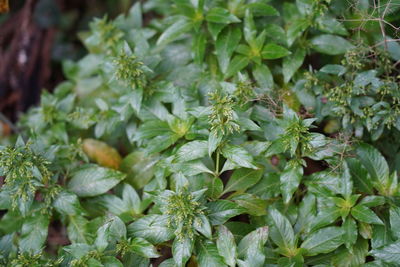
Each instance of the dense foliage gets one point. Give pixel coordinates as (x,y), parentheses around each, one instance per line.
(220,133)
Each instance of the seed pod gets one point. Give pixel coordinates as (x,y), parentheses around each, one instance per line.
(101,153)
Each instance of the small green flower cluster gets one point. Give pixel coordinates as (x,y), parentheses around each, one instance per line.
(222,116)
(107,32)
(87,260)
(129,70)
(24,170)
(244,92)
(297,133)
(122,247)
(183,210)
(33,260)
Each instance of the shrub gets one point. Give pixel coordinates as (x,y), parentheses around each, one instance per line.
(198,138)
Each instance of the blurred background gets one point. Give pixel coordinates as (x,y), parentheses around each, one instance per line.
(35,37)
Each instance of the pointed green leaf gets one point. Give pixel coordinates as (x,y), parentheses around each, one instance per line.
(236,65)
(242,179)
(208,255)
(331,44)
(364,214)
(238,155)
(389,253)
(274,51)
(281,231)
(251,247)
(34,234)
(350,232)
(226,245)
(192,150)
(292,63)
(290,180)
(323,241)
(221,15)
(174,31)
(373,161)
(182,250)
(222,210)
(153,228)
(92,180)
(202,225)
(226,44)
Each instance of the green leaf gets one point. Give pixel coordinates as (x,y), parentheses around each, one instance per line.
(215,29)
(295,29)
(222,210)
(290,180)
(238,155)
(208,255)
(251,247)
(191,168)
(67,203)
(202,225)
(346,183)
(323,241)
(192,150)
(236,65)
(33,234)
(329,24)
(263,76)
(153,228)
(281,231)
(361,177)
(249,29)
(174,31)
(92,180)
(110,232)
(326,216)
(364,214)
(253,204)
(111,261)
(215,187)
(333,69)
(139,168)
(199,47)
(292,63)
(274,51)
(261,9)
(380,234)
(355,256)
(78,229)
(395,221)
(350,232)
(135,16)
(373,161)
(214,140)
(331,44)
(221,15)
(389,253)
(373,201)
(131,198)
(182,250)
(143,248)
(225,45)
(226,245)
(242,179)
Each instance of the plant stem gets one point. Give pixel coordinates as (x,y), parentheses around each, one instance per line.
(217,164)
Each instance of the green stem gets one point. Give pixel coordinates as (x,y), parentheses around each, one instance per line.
(217,164)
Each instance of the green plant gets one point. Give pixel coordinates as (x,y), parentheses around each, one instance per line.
(170,144)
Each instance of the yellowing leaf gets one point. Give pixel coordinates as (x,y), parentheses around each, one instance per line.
(101,153)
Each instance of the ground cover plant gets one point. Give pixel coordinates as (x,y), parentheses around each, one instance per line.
(219,133)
